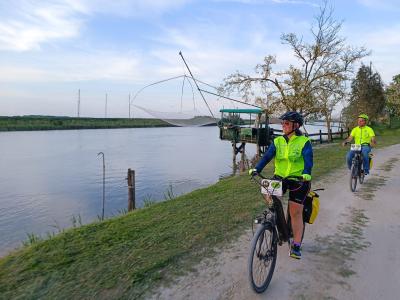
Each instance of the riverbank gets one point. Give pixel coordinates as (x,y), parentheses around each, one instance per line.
(128,255)
(29,123)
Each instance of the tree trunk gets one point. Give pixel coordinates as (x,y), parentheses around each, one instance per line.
(328,127)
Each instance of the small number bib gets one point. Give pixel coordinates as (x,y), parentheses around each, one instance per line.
(271,187)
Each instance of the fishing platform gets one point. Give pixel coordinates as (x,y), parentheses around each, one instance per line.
(241,126)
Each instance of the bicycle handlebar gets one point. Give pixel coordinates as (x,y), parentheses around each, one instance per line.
(285,178)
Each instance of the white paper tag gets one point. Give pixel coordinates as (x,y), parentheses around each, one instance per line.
(271,187)
(355,147)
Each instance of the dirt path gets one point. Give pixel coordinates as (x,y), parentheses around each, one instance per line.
(351,252)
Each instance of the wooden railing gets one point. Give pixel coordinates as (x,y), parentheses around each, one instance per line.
(342,134)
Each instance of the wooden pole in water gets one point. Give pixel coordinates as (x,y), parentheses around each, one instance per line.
(131,190)
(242,158)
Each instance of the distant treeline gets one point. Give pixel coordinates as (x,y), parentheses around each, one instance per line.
(21,123)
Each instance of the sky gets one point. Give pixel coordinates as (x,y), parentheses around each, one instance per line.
(109,50)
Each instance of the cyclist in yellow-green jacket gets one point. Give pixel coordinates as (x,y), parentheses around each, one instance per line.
(293,158)
(365,136)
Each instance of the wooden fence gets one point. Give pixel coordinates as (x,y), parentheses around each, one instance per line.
(342,134)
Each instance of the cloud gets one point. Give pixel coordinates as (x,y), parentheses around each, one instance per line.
(75,67)
(215,55)
(26,25)
(271,1)
(392,5)
(384,37)
(138,8)
(383,42)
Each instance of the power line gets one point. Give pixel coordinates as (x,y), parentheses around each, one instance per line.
(105,110)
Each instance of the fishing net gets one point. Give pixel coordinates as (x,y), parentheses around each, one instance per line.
(184,118)
(198,115)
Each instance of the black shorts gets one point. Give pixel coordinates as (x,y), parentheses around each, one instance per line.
(298,190)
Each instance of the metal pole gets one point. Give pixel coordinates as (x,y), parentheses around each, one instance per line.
(104,185)
(202,96)
(105,110)
(129,105)
(208,92)
(79,102)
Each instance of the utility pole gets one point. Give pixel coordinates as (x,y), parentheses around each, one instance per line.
(129,105)
(79,102)
(105,110)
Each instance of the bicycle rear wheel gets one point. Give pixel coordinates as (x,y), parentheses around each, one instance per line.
(361,177)
(262,259)
(353,177)
(361,173)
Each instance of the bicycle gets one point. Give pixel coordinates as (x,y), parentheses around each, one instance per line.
(357,167)
(273,230)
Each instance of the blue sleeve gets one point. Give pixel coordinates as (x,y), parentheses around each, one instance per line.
(308,158)
(267,157)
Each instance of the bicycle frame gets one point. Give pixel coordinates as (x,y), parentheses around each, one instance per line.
(275,215)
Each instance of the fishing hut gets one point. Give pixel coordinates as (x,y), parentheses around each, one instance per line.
(241,126)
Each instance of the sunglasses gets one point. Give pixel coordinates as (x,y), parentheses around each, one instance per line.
(286,123)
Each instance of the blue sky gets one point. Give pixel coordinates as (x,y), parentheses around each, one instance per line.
(50,49)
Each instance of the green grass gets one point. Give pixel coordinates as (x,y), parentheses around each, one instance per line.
(127,256)
(61,123)
(386,137)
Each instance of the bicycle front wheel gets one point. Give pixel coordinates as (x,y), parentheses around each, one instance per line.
(262,259)
(353,178)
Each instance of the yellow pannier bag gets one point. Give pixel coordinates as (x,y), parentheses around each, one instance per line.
(311,207)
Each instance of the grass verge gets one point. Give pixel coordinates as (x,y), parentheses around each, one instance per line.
(127,256)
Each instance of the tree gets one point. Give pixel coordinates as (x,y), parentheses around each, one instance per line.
(393,98)
(367,95)
(312,87)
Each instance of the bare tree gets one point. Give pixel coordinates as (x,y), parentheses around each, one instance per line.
(315,85)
